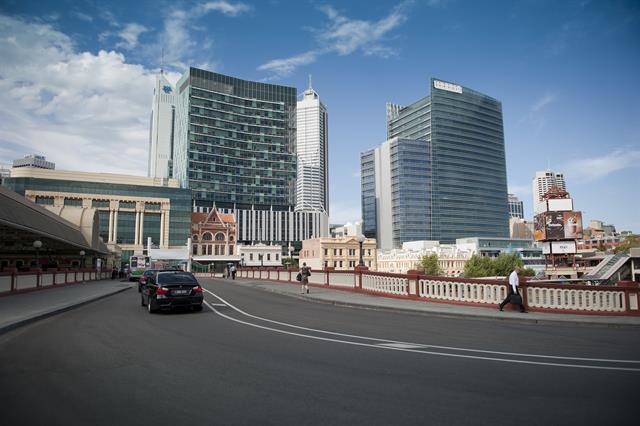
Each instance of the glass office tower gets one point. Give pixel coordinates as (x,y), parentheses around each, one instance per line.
(235,141)
(465,170)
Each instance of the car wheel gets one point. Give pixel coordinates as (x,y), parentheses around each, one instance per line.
(197,308)
(150,307)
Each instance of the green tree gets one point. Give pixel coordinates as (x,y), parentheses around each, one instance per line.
(429,264)
(528,272)
(632,241)
(505,263)
(478,266)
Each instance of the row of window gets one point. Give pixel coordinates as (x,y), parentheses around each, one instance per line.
(212,250)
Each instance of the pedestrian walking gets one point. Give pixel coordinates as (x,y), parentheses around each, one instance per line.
(513,296)
(304,274)
(233,272)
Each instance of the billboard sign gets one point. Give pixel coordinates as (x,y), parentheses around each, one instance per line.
(560,204)
(558,225)
(563,247)
(573,225)
(554,225)
(539,228)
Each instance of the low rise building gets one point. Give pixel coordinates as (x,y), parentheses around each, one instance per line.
(263,255)
(213,239)
(130,208)
(342,253)
(398,261)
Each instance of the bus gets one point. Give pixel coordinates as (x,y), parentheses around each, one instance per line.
(137,265)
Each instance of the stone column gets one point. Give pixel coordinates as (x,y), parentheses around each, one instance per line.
(110,238)
(136,233)
(141,237)
(115,226)
(162,242)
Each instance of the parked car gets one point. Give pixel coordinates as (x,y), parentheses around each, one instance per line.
(143,278)
(165,290)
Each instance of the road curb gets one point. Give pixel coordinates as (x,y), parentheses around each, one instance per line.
(38,317)
(453,315)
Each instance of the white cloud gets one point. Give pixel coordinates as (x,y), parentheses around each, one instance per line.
(84,111)
(545,100)
(286,67)
(82,16)
(176,38)
(591,169)
(230,9)
(130,35)
(343,36)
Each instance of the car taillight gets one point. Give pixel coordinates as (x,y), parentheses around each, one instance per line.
(162,290)
(197,289)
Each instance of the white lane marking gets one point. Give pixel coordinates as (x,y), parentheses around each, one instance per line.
(368,345)
(219,305)
(402,345)
(452,348)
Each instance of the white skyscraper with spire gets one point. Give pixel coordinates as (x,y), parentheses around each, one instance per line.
(162,126)
(312,184)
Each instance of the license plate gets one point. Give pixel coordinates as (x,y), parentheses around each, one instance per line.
(180,292)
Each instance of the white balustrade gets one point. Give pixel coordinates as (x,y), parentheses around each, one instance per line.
(339,279)
(26,281)
(5,283)
(46,279)
(462,291)
(385,284)
(273,275)
(576,299)
(316,277)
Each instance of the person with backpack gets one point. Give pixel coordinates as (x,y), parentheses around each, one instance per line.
(303,277)
(233,272)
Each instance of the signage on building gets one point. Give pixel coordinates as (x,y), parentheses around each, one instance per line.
(558,226)
(560,204)
(447,86)
(563,247)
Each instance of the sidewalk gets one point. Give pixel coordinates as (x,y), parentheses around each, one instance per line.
(353,299)
(21,309)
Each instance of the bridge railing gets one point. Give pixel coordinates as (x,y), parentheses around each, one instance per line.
(621,299)
(15,282)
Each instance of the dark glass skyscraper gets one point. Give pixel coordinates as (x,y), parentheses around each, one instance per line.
(235,141)
(463,166)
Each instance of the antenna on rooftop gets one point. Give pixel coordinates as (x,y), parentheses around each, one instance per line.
(310,88)
(162,62)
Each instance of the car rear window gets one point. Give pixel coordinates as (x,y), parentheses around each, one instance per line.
(176,277)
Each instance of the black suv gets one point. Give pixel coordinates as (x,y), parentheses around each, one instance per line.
(171,289)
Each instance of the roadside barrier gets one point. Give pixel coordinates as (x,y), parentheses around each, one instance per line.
(621,299)
(16,282)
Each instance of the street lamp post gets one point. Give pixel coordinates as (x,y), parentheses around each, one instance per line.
(361,239)
(82,253)
(37,244)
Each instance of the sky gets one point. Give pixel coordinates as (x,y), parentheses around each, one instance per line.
(76,80)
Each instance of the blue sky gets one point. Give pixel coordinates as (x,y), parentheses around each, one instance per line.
(76,79)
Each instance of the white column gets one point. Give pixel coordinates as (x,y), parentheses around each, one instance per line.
(137,231)
(115,226)
(110,237)
(141,235)
(162,242)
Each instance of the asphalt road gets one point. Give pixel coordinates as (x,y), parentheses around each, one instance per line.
(276,360)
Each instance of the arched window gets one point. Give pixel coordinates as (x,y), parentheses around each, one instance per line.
(207,236)
(194,238)
(219,236)
(230,237)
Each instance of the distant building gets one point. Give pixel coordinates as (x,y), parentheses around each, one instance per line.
(542,183)
(520,229)
(5,172)
(516,207)
(340,253)
(531,255)
(36,161)
(130,208)
(213,239)
(347,230)
(441,174)
(451,260)
(312,147)
(263,255)
(235,141)
(162,129)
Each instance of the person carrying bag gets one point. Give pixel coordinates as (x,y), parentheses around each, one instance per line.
(514,296)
